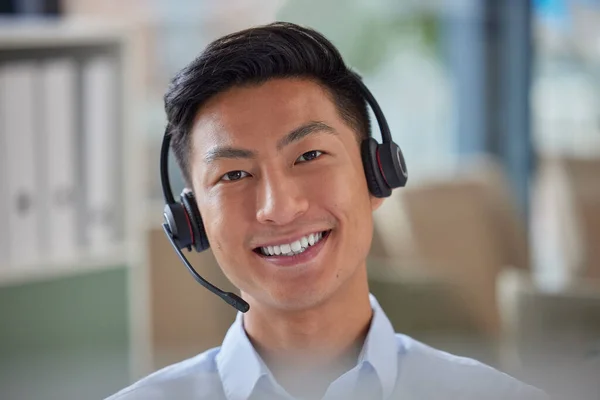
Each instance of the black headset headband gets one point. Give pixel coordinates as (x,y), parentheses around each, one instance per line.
(386,136)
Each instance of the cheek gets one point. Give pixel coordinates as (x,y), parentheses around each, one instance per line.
(220,213)
(345,190)
(348,198)
(220,217)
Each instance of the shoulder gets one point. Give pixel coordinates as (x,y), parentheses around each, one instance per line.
(430,372)
(195,377)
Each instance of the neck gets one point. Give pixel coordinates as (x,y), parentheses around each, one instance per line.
(318,344)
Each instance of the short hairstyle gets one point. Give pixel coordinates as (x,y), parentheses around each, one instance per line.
(253,56)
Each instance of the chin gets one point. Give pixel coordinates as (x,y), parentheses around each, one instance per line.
(299,297)
(297,303)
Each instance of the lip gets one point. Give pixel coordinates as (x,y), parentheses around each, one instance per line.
(288,239)
(290,261)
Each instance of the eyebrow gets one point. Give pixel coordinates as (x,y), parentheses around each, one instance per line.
(304,130)
(294,136)
(227,152)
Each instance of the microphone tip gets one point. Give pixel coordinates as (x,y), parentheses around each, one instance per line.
(244,307)
(237,302)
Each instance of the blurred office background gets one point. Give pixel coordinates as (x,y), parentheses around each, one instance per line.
(492,251)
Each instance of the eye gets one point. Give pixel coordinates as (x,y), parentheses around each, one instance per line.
(234,175)
(309,155)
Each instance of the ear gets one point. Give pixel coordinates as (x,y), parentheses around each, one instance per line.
(376,202)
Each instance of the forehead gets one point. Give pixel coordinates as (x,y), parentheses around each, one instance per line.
(249,115)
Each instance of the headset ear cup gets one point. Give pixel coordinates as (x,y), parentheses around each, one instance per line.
(392,165)
(200,239)
(375,180)
(179,225)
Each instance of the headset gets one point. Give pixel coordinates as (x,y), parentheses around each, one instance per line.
(383,163)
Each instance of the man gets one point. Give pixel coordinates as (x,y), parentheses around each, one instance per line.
(266,127)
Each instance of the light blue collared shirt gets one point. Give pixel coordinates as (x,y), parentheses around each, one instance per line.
(390,366)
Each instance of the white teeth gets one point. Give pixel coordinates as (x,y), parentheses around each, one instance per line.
(304,242)
(295,247)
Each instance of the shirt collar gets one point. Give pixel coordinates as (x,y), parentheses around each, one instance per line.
(240,366)
(380,349)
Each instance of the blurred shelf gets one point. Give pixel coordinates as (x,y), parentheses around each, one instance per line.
(45,39)
(13,275)
(52,33)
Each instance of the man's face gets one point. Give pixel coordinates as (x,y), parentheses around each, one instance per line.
(275,171)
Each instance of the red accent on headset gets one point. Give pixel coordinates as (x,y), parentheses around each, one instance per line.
(187,218)
(379,164)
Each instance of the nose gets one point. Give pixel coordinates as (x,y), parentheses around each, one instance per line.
(281,200)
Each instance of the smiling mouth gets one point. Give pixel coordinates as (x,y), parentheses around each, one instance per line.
(294,248)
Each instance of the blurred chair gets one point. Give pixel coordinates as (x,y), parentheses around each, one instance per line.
(566,218)
(457,234)
(418,302)
(429,308)
(552,338)
(466,229)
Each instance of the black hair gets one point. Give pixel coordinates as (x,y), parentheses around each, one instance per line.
(253,56)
